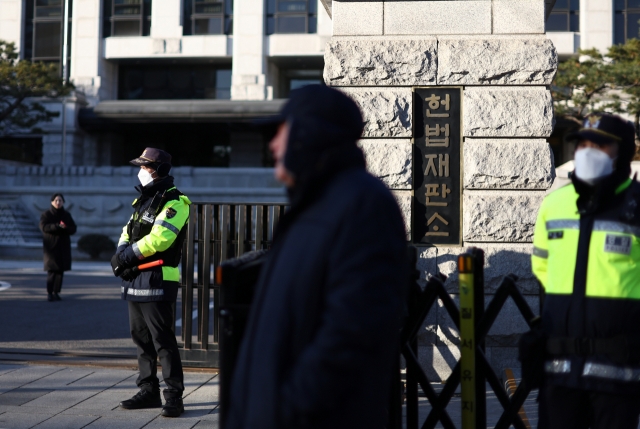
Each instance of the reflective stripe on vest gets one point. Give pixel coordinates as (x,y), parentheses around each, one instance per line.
(596,370)
(143,292)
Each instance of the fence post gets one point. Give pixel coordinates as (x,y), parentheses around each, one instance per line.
(478,294)
(468,380)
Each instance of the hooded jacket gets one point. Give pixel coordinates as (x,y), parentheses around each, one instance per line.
(323,332)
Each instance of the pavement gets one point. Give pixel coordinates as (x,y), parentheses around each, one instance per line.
(59,397)
(67,364)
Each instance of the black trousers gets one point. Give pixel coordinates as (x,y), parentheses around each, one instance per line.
(151,326)
(54,281)
(567,408)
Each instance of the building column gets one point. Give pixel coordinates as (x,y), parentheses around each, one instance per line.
(596,24)
(11,21)
(248,80)
(166,19)
(85,48)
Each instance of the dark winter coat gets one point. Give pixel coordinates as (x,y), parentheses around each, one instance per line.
(55,239)
(323,333)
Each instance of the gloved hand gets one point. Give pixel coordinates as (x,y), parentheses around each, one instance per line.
(129,274)
(115,266)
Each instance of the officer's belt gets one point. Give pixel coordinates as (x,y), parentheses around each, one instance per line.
(617,348)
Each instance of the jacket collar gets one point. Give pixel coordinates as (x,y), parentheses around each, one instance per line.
(161,185)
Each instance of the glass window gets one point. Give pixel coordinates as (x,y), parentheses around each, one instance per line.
(564,16)
(223,84)
(48,40)
(129,18)
(126,28)
(291,24)
(173,82)
(627,14)
(44,26)
(208,17)
(292,79)
(291,16)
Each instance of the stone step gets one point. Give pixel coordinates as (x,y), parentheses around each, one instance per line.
(16,225)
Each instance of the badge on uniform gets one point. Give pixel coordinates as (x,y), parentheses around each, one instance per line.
(617,244)
(554,235)
(171,213)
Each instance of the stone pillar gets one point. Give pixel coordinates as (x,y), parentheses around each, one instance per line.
(89,71)
(248,80)
(596,24)
(496,50)
(166,20)
(11,21)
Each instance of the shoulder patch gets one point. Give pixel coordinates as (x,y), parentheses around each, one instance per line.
(617,244)
(171,213)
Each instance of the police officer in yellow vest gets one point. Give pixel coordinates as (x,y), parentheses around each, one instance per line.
(587,256)
(155,232)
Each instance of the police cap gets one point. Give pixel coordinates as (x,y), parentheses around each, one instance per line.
(152,157)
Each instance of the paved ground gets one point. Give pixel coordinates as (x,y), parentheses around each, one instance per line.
(58,397)
(91,320)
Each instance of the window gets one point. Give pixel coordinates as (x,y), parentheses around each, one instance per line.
(208,17)
(127,18)
(627,15)
(21,149)
(295,79)
(173,82)
(292,16)
(564,16)
(44,26)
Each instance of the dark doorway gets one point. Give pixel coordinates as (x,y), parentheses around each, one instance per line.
(190,144)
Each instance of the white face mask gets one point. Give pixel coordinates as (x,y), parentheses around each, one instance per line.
(592,164)
(145,177)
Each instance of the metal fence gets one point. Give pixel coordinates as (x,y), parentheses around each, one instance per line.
(216,231)
(472,370)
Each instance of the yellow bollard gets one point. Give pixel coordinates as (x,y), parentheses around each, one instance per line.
(467,341)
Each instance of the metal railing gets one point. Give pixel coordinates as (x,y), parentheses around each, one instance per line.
(473,369)
(216,231)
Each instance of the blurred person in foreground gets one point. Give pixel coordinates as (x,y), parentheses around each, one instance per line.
(323,333)
(57,227)
(155,231)
(587,256)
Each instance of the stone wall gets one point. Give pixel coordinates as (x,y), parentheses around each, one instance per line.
(498,52)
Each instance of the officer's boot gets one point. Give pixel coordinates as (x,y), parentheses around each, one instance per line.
(173,408)
(142,399)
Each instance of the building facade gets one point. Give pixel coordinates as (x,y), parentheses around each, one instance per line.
(586,24)
(184,75)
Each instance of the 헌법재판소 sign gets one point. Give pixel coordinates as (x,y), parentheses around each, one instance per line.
(436,208)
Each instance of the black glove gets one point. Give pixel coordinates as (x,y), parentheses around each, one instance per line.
(129,274)
(115,266)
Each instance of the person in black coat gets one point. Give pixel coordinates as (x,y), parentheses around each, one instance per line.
(323,334)
(57,226)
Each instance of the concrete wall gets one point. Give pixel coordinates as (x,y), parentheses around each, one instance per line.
(100,198)
(11,21)
(498,52)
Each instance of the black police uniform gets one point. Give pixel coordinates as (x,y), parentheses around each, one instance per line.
(156,231)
